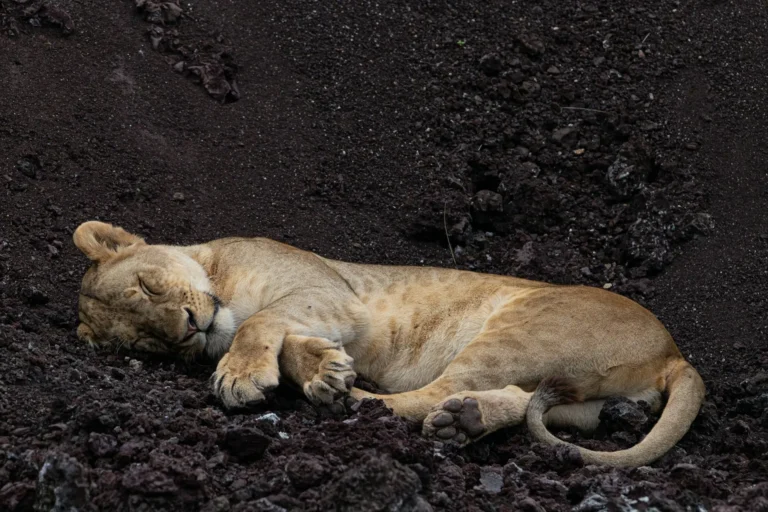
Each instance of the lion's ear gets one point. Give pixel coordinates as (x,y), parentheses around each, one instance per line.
(84,333)
(101,241)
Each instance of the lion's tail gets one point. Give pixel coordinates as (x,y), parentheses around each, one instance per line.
(686,394)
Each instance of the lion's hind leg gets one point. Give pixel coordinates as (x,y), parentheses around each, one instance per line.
(467,416)
(415,405)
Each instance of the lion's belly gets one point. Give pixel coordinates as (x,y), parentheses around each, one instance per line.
(420,318)
(414,365)
(411,346)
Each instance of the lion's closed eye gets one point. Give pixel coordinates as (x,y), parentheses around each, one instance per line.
(146,289)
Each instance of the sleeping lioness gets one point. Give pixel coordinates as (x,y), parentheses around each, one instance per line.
(461,351)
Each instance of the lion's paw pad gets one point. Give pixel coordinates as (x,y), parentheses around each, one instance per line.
(336,377)
(459,421)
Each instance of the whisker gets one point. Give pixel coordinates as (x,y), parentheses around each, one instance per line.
(117,350)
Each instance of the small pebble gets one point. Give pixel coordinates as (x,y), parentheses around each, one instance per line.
(491,482)
(270,417)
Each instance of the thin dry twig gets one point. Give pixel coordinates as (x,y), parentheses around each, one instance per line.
(587,109)
(447,236)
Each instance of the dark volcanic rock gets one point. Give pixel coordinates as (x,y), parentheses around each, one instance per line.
(377,483)
(246,442)
(548,141)
(306,471)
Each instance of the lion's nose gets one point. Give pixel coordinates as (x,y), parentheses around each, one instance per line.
(192,323)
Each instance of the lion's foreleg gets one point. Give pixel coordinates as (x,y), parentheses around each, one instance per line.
(251,365)
(321,367)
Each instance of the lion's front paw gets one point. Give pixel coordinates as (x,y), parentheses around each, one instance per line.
(239,381)
(334,377)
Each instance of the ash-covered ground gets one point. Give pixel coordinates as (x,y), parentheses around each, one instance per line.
(608,143)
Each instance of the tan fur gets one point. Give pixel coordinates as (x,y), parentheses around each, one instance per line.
(422,333)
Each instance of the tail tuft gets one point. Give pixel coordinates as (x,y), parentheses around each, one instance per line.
(554,391)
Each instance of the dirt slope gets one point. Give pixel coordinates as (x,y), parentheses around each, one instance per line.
(604,142)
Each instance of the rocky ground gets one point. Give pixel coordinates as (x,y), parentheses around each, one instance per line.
(608,143)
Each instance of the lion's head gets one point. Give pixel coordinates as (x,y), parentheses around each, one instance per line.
(146,297)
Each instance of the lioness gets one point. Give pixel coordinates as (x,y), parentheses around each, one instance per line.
(461,351)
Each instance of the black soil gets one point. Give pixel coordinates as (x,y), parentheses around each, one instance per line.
(611,143)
